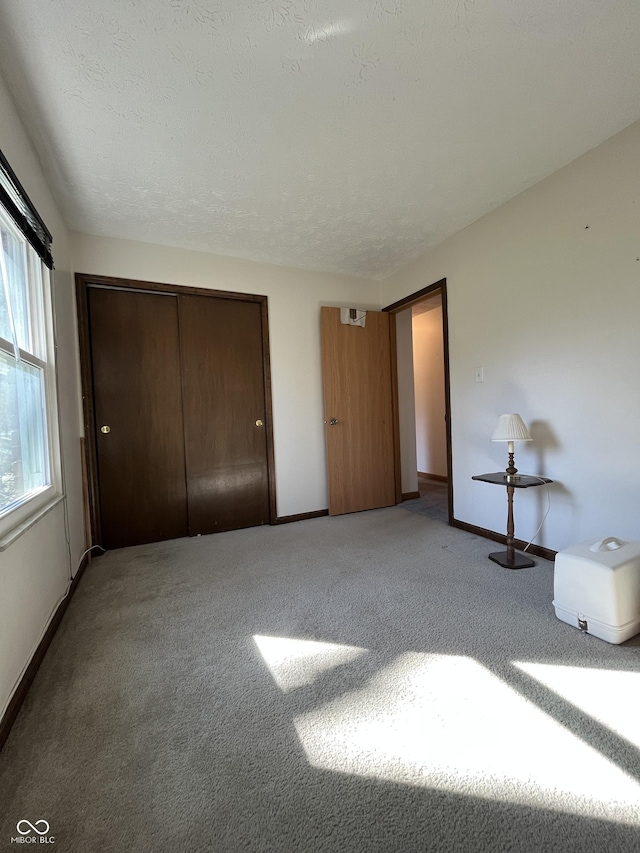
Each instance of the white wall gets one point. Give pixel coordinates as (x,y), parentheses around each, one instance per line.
(428,368)
(35,569)
(544,293)
(406,402)
(295,297)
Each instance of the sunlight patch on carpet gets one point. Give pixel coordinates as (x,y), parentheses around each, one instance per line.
(448,723)
(297,663)
(609,696)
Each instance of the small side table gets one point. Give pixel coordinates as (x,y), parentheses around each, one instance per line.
(511,559)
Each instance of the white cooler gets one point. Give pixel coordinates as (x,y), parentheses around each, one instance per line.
(596,587)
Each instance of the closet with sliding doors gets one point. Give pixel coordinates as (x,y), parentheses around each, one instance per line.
(177,410)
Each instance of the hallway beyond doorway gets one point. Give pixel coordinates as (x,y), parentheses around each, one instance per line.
(432,502)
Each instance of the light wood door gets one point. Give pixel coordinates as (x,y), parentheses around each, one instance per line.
(358,410)
(224,413)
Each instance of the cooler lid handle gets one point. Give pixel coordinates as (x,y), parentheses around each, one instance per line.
(608,544)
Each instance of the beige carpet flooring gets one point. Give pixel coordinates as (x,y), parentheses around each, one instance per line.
(364,684)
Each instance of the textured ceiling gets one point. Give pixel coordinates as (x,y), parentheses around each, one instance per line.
(342,135)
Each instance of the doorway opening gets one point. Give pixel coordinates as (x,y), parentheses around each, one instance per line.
(424,413)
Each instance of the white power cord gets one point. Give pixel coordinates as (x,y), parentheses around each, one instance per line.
(544,518)
(84,553)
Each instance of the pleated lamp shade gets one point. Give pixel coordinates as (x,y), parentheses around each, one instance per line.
(510,428)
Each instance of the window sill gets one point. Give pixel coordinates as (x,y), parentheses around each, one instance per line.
(11,535)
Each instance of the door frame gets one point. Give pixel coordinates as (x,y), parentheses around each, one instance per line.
(395,308)
(83,282)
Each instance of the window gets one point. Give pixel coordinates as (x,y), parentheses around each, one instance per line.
(29,466)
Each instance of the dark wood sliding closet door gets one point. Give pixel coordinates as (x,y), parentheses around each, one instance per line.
(179,414)
(224,413)
(139,430)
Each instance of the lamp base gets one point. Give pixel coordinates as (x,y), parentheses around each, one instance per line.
(511,560)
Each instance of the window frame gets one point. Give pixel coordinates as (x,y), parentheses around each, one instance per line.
(25,511)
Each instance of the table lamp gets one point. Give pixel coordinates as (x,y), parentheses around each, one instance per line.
(511,428)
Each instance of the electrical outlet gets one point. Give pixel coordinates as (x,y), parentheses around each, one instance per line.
(479,374)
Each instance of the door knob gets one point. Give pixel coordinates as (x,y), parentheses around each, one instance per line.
(258,422)
(333,421)
(105,429)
